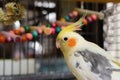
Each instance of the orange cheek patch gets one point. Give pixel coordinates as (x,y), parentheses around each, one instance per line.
(72,42)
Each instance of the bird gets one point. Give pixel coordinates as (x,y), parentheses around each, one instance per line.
(85,59)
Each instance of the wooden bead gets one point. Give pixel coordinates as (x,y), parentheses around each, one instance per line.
(47,31)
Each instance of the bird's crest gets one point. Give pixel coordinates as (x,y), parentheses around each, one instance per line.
(71,28)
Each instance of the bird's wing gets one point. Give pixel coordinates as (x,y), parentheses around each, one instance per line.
(93,64)
(96,49)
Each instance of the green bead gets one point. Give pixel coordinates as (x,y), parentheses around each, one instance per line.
(67,18)
(48,25)
(58,29)
(27,28)
(34,34)
(81,24)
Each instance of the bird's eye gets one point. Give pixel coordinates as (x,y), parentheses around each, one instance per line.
(65,39)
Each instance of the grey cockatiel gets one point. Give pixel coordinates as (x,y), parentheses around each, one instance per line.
(86,60)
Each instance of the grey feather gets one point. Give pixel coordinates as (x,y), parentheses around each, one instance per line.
(99,64)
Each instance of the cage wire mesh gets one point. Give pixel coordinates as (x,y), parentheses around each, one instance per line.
(39,59)
(111,30)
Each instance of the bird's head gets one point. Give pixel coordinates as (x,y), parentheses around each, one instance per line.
(68,39)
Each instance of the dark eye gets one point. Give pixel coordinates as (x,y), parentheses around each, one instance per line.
(65,39)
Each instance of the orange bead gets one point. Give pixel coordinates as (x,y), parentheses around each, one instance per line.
(22,30)
(2,39)
(17,32)
(43,27)
(24,38)
(85,22)
(75,13)
(29,36)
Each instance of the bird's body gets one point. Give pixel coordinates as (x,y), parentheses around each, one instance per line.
(86,60)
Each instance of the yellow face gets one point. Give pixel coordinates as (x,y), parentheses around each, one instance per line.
(67,38)
(66,41)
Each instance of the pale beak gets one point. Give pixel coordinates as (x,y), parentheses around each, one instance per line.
(57,43)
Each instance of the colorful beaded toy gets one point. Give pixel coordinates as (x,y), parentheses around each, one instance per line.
(28,33)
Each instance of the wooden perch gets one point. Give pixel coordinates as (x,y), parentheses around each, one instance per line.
(100,15)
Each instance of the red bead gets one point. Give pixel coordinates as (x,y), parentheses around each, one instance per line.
(54,25)
(8,39)
(94,17)
(53,31)
(29,36)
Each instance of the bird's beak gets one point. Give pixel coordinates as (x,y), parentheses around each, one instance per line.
(57,43)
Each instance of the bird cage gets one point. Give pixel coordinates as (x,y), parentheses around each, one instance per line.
(39,59)
(111,30)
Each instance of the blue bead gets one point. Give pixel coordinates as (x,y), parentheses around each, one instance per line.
(58,29)
(34,34)
(67,18)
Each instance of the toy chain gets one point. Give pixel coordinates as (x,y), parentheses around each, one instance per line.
(28,33)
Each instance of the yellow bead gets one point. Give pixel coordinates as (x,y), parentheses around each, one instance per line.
(62,20)
(47,31)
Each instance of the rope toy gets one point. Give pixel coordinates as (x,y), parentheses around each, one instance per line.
(13,12)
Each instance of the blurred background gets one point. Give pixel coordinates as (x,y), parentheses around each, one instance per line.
(39,59)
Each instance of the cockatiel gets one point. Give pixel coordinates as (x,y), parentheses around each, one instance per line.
(86,60)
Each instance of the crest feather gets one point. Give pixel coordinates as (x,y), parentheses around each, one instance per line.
(71,28)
